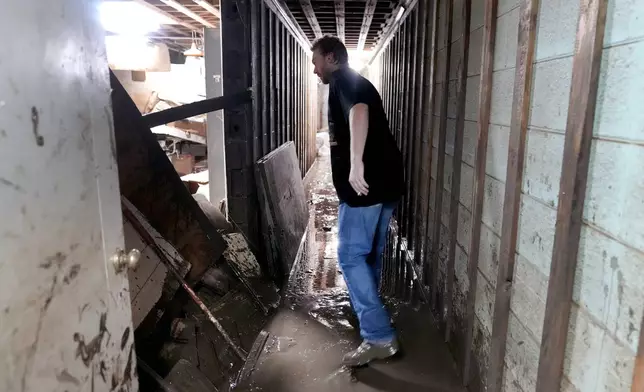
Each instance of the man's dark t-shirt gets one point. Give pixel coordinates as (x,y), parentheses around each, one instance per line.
(383,167)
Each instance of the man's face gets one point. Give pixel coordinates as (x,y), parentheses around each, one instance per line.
(323,66)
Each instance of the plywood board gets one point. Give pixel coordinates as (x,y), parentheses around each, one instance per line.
(286,208)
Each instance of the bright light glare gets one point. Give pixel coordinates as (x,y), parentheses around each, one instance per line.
(357,60)
(130,18)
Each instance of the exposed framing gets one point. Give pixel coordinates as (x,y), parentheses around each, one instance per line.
(187,12)
(429,124)
(440,169)
(208,7)
(369,10)
(455,193)
(485,102)
(339,18)
(572,191)
(422,97)
(307,8)
(512,201)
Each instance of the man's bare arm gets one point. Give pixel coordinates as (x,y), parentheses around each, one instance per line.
(358,127)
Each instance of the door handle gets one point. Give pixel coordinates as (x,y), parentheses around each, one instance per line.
(121,260)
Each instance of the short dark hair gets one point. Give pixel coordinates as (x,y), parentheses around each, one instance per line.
(331,44)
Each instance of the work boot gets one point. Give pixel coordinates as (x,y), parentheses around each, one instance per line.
(368,352)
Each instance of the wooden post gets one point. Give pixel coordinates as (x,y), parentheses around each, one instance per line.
(272,24)
(457,161)
(512,202)
(411,126)
(572,191)
(485,101)
(237,76)
(421,99)
(428,123)
(638,372)
(266,77)
(440,170)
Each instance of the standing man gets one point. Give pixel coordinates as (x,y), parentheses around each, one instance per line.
(367,173)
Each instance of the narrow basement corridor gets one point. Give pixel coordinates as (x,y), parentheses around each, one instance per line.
(315,325)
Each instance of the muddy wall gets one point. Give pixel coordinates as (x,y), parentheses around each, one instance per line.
(606,314)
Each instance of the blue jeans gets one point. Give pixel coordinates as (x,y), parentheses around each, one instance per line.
(362,234)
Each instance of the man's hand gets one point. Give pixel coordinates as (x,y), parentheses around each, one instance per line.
(356,178)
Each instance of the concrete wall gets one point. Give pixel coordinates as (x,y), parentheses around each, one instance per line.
(608,297)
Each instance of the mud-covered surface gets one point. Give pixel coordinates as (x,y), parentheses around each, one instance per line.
(316,325)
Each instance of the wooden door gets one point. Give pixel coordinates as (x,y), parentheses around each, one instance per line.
(65,318)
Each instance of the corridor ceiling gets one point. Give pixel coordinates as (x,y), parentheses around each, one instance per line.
(360,23)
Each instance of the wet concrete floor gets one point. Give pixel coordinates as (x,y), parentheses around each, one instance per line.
(316,326)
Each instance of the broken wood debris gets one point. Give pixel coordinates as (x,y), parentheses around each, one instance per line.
(135,218)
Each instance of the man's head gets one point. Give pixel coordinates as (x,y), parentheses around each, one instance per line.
(329,54)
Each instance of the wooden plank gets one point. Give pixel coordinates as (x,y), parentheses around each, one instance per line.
(307,8)
(422,96)
(428,121)
(485,102)
(339,18)
(196,108)
(457,163)
(512,201)
(572,191)
(272,28)
(265,86)
(369,9)
(638,372)
(243,378)
(440,173)
(410,129)
(281,183)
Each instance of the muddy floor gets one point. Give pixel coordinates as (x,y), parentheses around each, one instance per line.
(316,325)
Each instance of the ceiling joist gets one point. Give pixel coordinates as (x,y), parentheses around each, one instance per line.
(208,7)
(168,15)
(310,16)
(184,10)
(339,18)
(369,10)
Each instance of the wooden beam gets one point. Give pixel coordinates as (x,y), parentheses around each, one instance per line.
(428,123)
(572,191)
(440,170)
(208,7)
(512,202)
(457,162)
(391,27)
(638,372)
(169,16)
(411,131)
(187,12)
(196,108)
(339,18)
(369,10)
(238,124)
(422,97)
(485,102)
(307,8)
(284,14)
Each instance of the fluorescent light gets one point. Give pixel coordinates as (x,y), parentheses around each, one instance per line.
(401,11)
(130,18)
